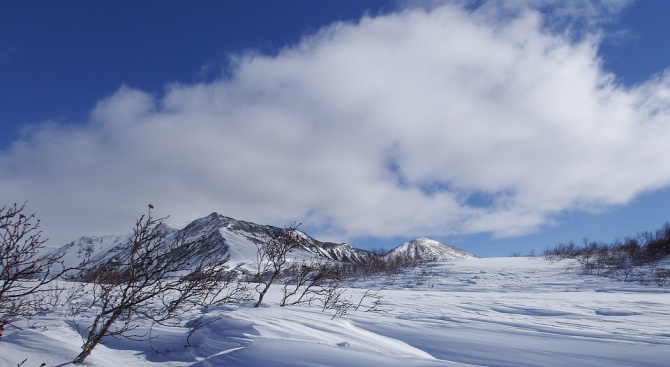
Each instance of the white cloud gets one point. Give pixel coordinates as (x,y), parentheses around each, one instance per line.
(390,126)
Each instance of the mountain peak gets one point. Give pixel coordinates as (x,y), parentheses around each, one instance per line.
(429,249)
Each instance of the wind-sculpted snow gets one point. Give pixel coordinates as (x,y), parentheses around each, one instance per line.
(478,312)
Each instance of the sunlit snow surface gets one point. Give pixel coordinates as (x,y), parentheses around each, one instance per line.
(479,312)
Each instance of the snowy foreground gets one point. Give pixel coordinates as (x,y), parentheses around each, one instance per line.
(480,312)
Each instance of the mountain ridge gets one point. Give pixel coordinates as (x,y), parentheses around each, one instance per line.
(236,240)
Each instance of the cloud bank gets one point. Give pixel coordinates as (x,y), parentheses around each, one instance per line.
(424,122)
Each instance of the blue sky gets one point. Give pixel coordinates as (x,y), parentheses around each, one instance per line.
(492,126)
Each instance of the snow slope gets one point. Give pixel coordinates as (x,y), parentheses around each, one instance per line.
(478,312)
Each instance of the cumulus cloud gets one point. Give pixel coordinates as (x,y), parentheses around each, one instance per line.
(427,121)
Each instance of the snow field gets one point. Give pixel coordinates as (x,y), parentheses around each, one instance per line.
(479,312)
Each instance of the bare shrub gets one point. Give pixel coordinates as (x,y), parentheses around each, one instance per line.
(374,297)
(662,276)
(334,299)
(158,279)
(631,259)
(25,267)
(332,296)
(272,257)
(305,281)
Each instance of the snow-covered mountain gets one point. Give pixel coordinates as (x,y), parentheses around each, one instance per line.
(427,249)
(237,240)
